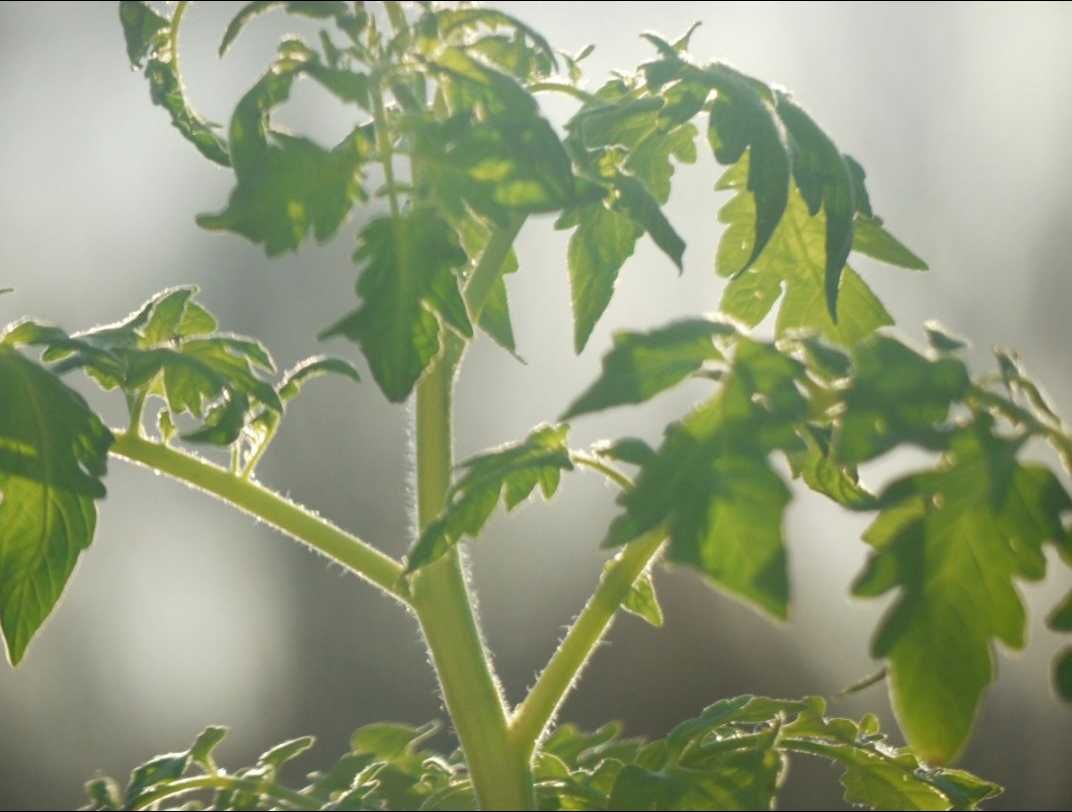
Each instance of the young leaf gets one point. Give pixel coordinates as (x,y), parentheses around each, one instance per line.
(512,472)
(603,240)
(793,261)
(53,452)
(953,540)
(410,275)
(168,348)
(151,37)
(295,379)
(642,601)
(641,365)
(712,483)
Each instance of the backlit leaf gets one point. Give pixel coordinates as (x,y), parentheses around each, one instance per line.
(512,472)
(53,451)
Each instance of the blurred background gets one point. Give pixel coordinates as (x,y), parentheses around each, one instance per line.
(184,613)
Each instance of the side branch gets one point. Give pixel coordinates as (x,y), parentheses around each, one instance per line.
(534,714)
(295,521)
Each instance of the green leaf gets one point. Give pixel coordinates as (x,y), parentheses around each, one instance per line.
(168,348)
(641,365)
(793,262)
(499,164)
(159,770)
(286,751)
(287,185)
(512,472)
(743,118)
(712,484)
(650,160)
(204,744)
(151,37)
(410,277)
(53,452)
(961,535)
(495,315)
(870,237)
(642,601)
(317,10)
(603,240)
(824,179)
(634,199)
(897,396)
(826,475)
(876,775)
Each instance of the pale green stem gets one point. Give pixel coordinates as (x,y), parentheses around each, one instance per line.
(356,555)
(441,598)
(609,471)
(533,716)
(383,146)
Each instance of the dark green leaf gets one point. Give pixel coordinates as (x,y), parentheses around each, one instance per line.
(743,118)
(150,36)
(641,365)
(824,180)
(642,208)
(162,769)
(897,396)
(941,340)
(511,472)
(53,452)
(410,275)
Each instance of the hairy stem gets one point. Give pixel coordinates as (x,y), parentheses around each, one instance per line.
(441,596)
(445,609)
(356,555)
(554,683)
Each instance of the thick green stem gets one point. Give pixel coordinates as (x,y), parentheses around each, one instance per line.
(356,555)
(500,774)
(445,609)
(539,708)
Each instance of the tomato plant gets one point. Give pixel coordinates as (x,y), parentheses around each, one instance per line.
(451,152)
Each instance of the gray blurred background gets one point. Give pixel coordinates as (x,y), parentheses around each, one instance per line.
(184,613)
